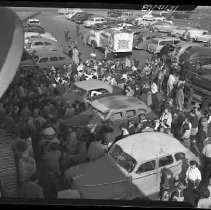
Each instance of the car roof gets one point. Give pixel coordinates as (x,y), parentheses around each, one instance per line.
(166,39)
(45,52)
(92,84)
(120,102)
(41,39)
(150,145)
(196,29)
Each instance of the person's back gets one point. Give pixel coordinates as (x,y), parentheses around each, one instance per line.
(49,183)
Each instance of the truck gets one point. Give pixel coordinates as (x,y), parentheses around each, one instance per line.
(198,88)
(119,41)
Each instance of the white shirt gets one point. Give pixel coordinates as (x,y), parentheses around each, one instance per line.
(168,118)
(171,80)
(193,174)
(207,150)
(154,88)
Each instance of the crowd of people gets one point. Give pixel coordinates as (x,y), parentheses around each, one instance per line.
(33,107)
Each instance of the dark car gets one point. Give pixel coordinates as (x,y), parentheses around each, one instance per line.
(75,17)
(114,13)
(142,40)
(196,56)
(83,18)
(34,28)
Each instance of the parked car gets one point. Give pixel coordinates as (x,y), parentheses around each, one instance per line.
(179,31)
(45,59)
(126,16)
(62,11)
(196,56)
(39,43)
(33,22)
(186,46)
(75,17)
(90,22)
(194,34)
(91,89)
(132,169)
(158,43)
(118,109)
(163,27)
(34,28)
(206,38)
(142,42)
(31,35)
(83,18)
(114,13)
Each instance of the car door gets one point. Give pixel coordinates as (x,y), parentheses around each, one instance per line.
(166,161)
(144,179)
(43,62)
(54,61)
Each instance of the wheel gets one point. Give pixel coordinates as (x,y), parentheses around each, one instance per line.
(156,30)
(94,44)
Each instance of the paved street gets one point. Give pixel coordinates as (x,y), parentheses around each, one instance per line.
(55,24)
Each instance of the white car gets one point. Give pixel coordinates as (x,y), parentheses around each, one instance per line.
(91,22)
(71,13)
(33,22)
(195,34)
(30,35)
(204,38)
(163,27)
(132,168)
(179,31)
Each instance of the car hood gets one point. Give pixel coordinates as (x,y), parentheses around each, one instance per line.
(86,118)
(100,179)
(71,97)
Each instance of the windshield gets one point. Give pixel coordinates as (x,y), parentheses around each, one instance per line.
(102,115)
(77,90)
(122,159)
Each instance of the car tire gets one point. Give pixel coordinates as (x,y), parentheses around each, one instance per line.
(94,44)
(155,30)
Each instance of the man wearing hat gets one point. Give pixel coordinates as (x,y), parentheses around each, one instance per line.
(196,107)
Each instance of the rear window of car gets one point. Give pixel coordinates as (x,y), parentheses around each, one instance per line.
(53,59)
(167,160)
(38,43)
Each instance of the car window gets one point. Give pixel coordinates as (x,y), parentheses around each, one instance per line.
(130,113)
(92,19)
(43,60)
(116,116)
(38,43)
(164,161)
(145,167)
(47,43)
(53,59)
(61,58)
(141,111)
(176,42)
(179,155)
(122,159)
